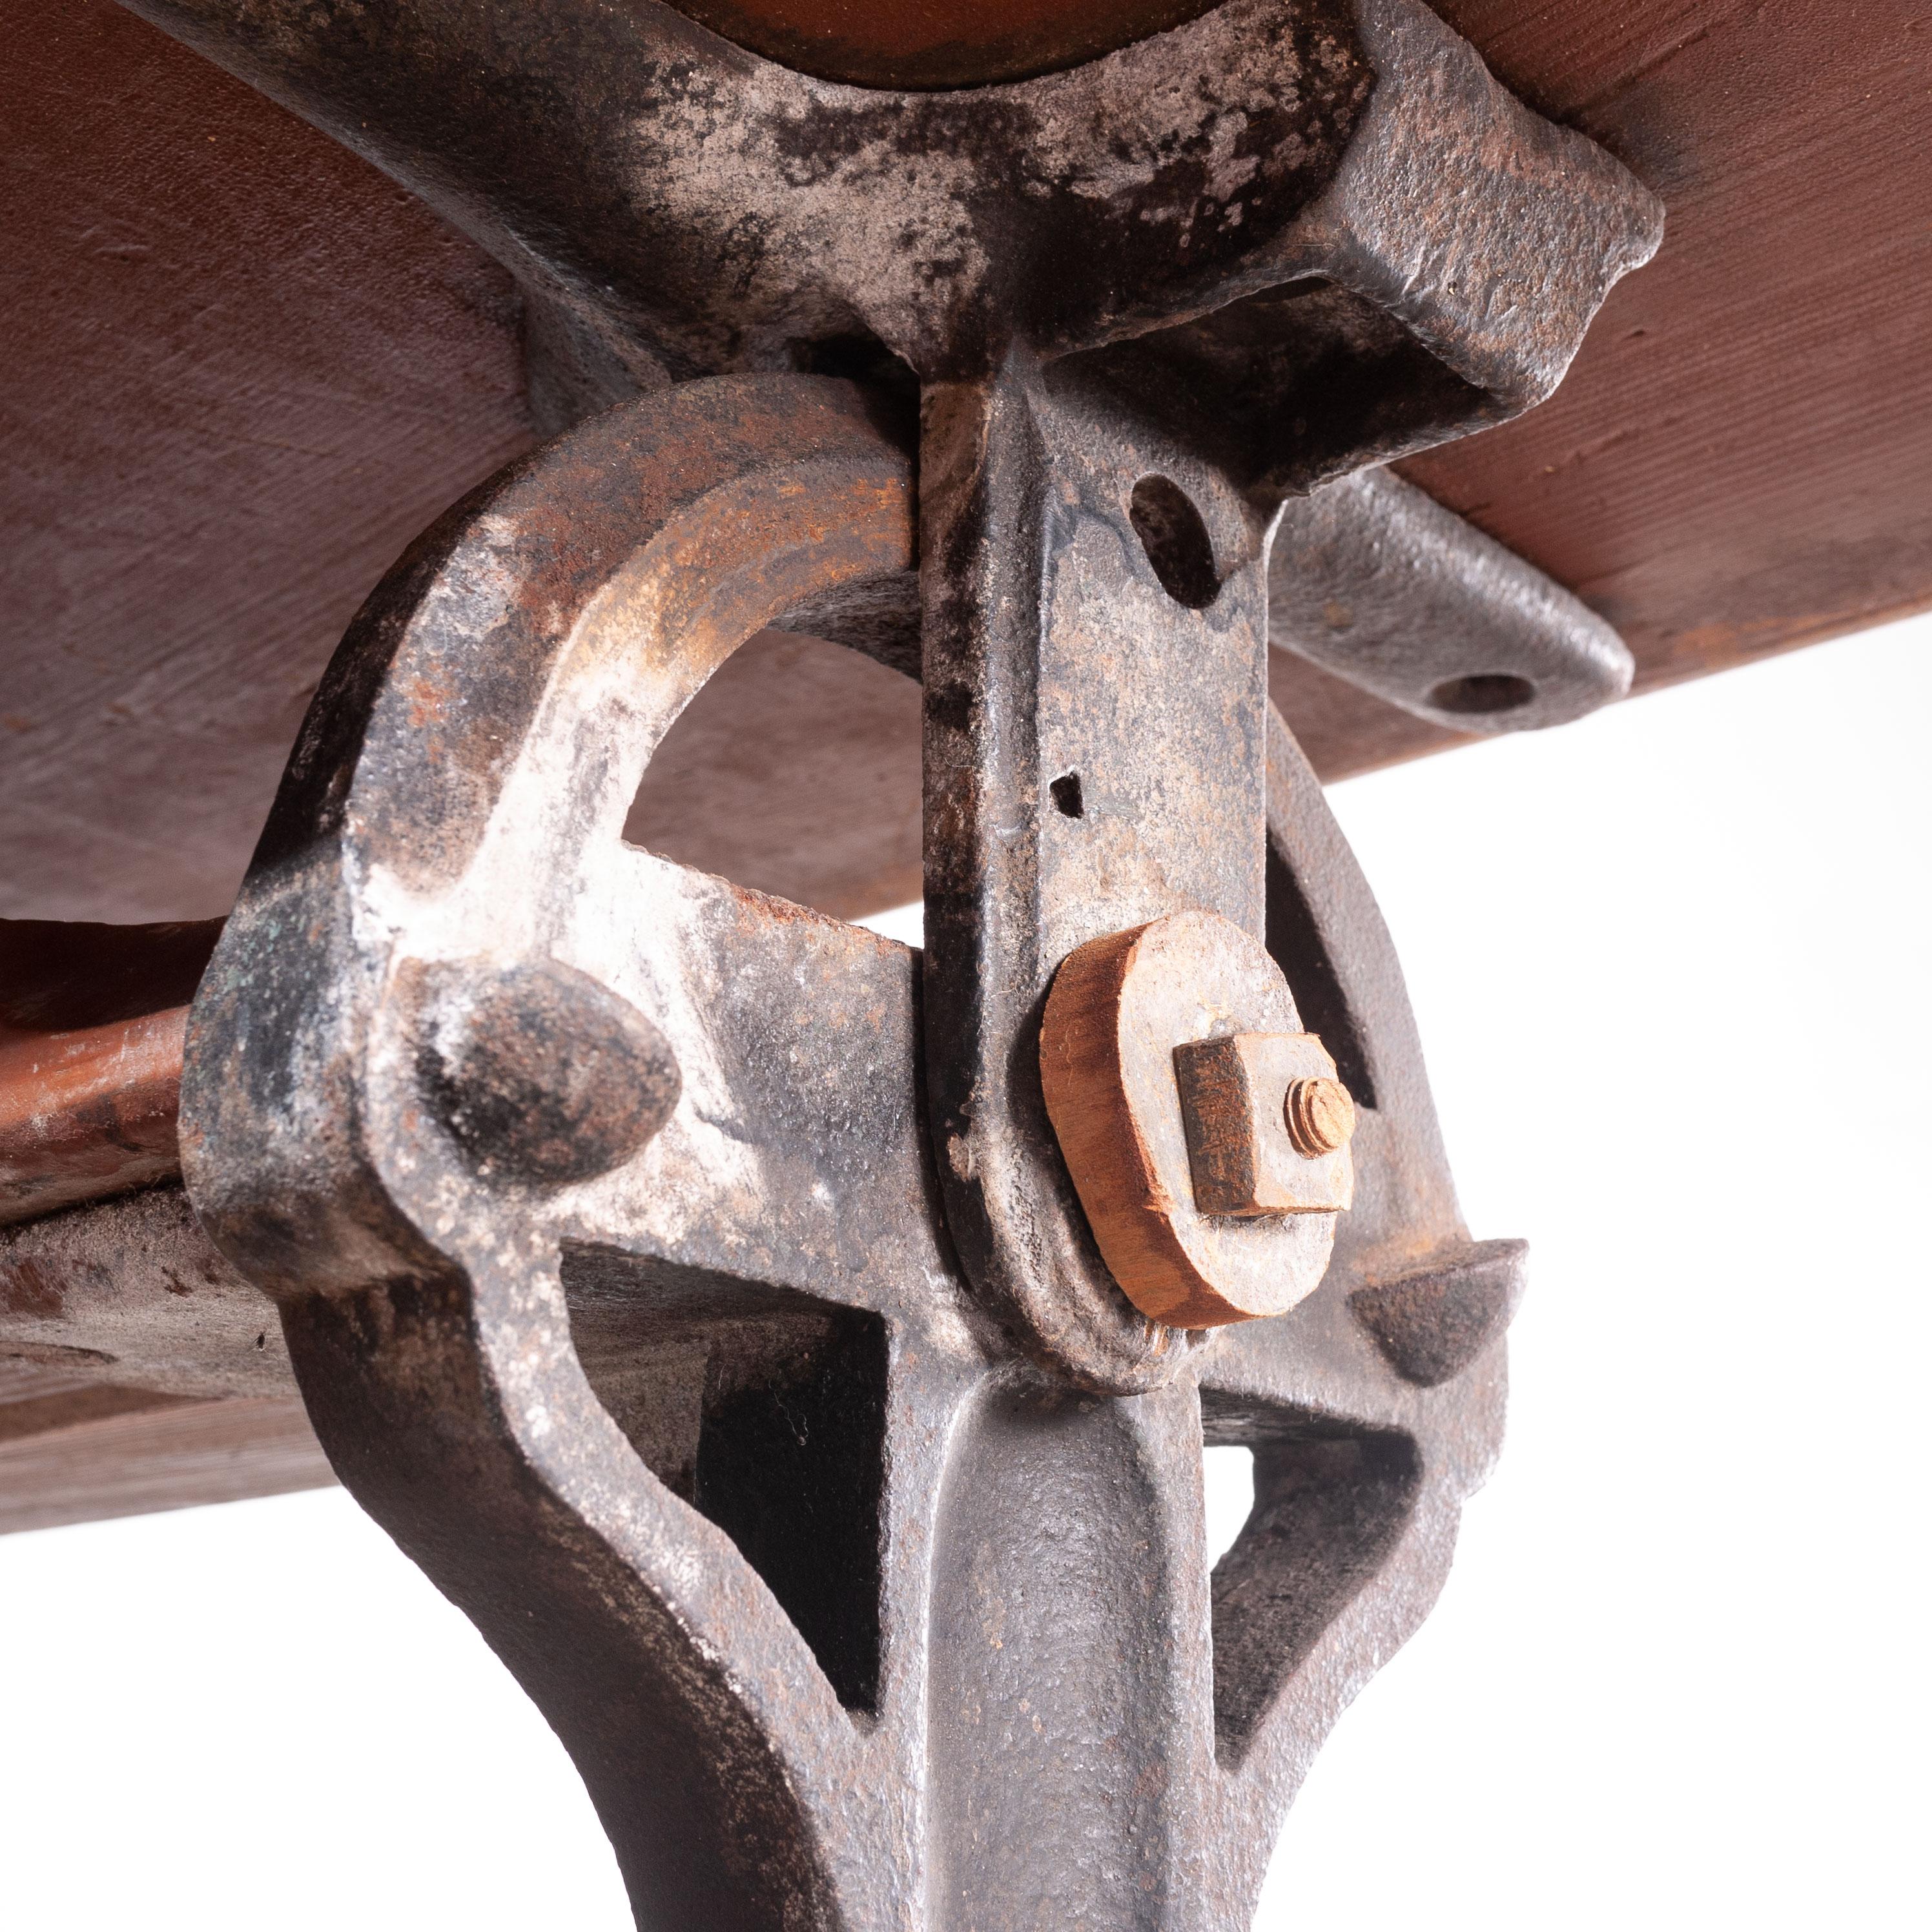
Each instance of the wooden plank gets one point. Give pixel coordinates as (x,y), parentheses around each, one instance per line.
(130,1292)
(1741,459)
(138,1370)
(37,1399)
(243,369)
(172,1456)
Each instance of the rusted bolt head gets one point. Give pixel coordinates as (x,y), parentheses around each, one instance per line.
(1235,1103)
(541,1072)
(1321,1117)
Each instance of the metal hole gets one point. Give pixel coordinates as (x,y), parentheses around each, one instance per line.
(1176,541)
(1066,796)
(1484,692)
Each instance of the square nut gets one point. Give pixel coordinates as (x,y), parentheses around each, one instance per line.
(1267,1124)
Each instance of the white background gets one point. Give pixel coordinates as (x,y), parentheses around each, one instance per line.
(1671,966)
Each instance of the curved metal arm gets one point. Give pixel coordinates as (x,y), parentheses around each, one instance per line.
(607,1238)
(446,854)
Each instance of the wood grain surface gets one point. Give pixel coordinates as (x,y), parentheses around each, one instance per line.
(163,1454)
(244,369)
(1741,460)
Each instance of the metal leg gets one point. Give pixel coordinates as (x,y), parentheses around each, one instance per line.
(726,1306)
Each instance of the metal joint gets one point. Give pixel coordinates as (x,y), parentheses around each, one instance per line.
(787,1353)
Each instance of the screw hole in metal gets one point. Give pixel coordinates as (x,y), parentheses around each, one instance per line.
(1483,694)
(1066,796)
(1176,541)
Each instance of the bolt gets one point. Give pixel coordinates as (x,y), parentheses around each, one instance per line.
(1238,1091)
(1320,1115)
(541,1072)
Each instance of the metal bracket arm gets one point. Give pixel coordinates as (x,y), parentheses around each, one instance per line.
(698,1288)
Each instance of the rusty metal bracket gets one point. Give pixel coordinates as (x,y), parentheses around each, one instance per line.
(694,1285)
(1374,581)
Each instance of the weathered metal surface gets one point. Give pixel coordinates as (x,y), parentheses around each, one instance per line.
(1432,1321)
(1374,581)
(246,369)
(832,1597)
(1267,1124)
(1316,1109)
(688,1282)
(1408,230)
(1384,587)
(1094,762)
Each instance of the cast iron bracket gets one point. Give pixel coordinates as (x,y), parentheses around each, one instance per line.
(693,1285)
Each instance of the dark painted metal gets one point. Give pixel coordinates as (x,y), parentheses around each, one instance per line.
(690,1283)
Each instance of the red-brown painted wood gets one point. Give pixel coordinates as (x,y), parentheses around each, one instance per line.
(244,369)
